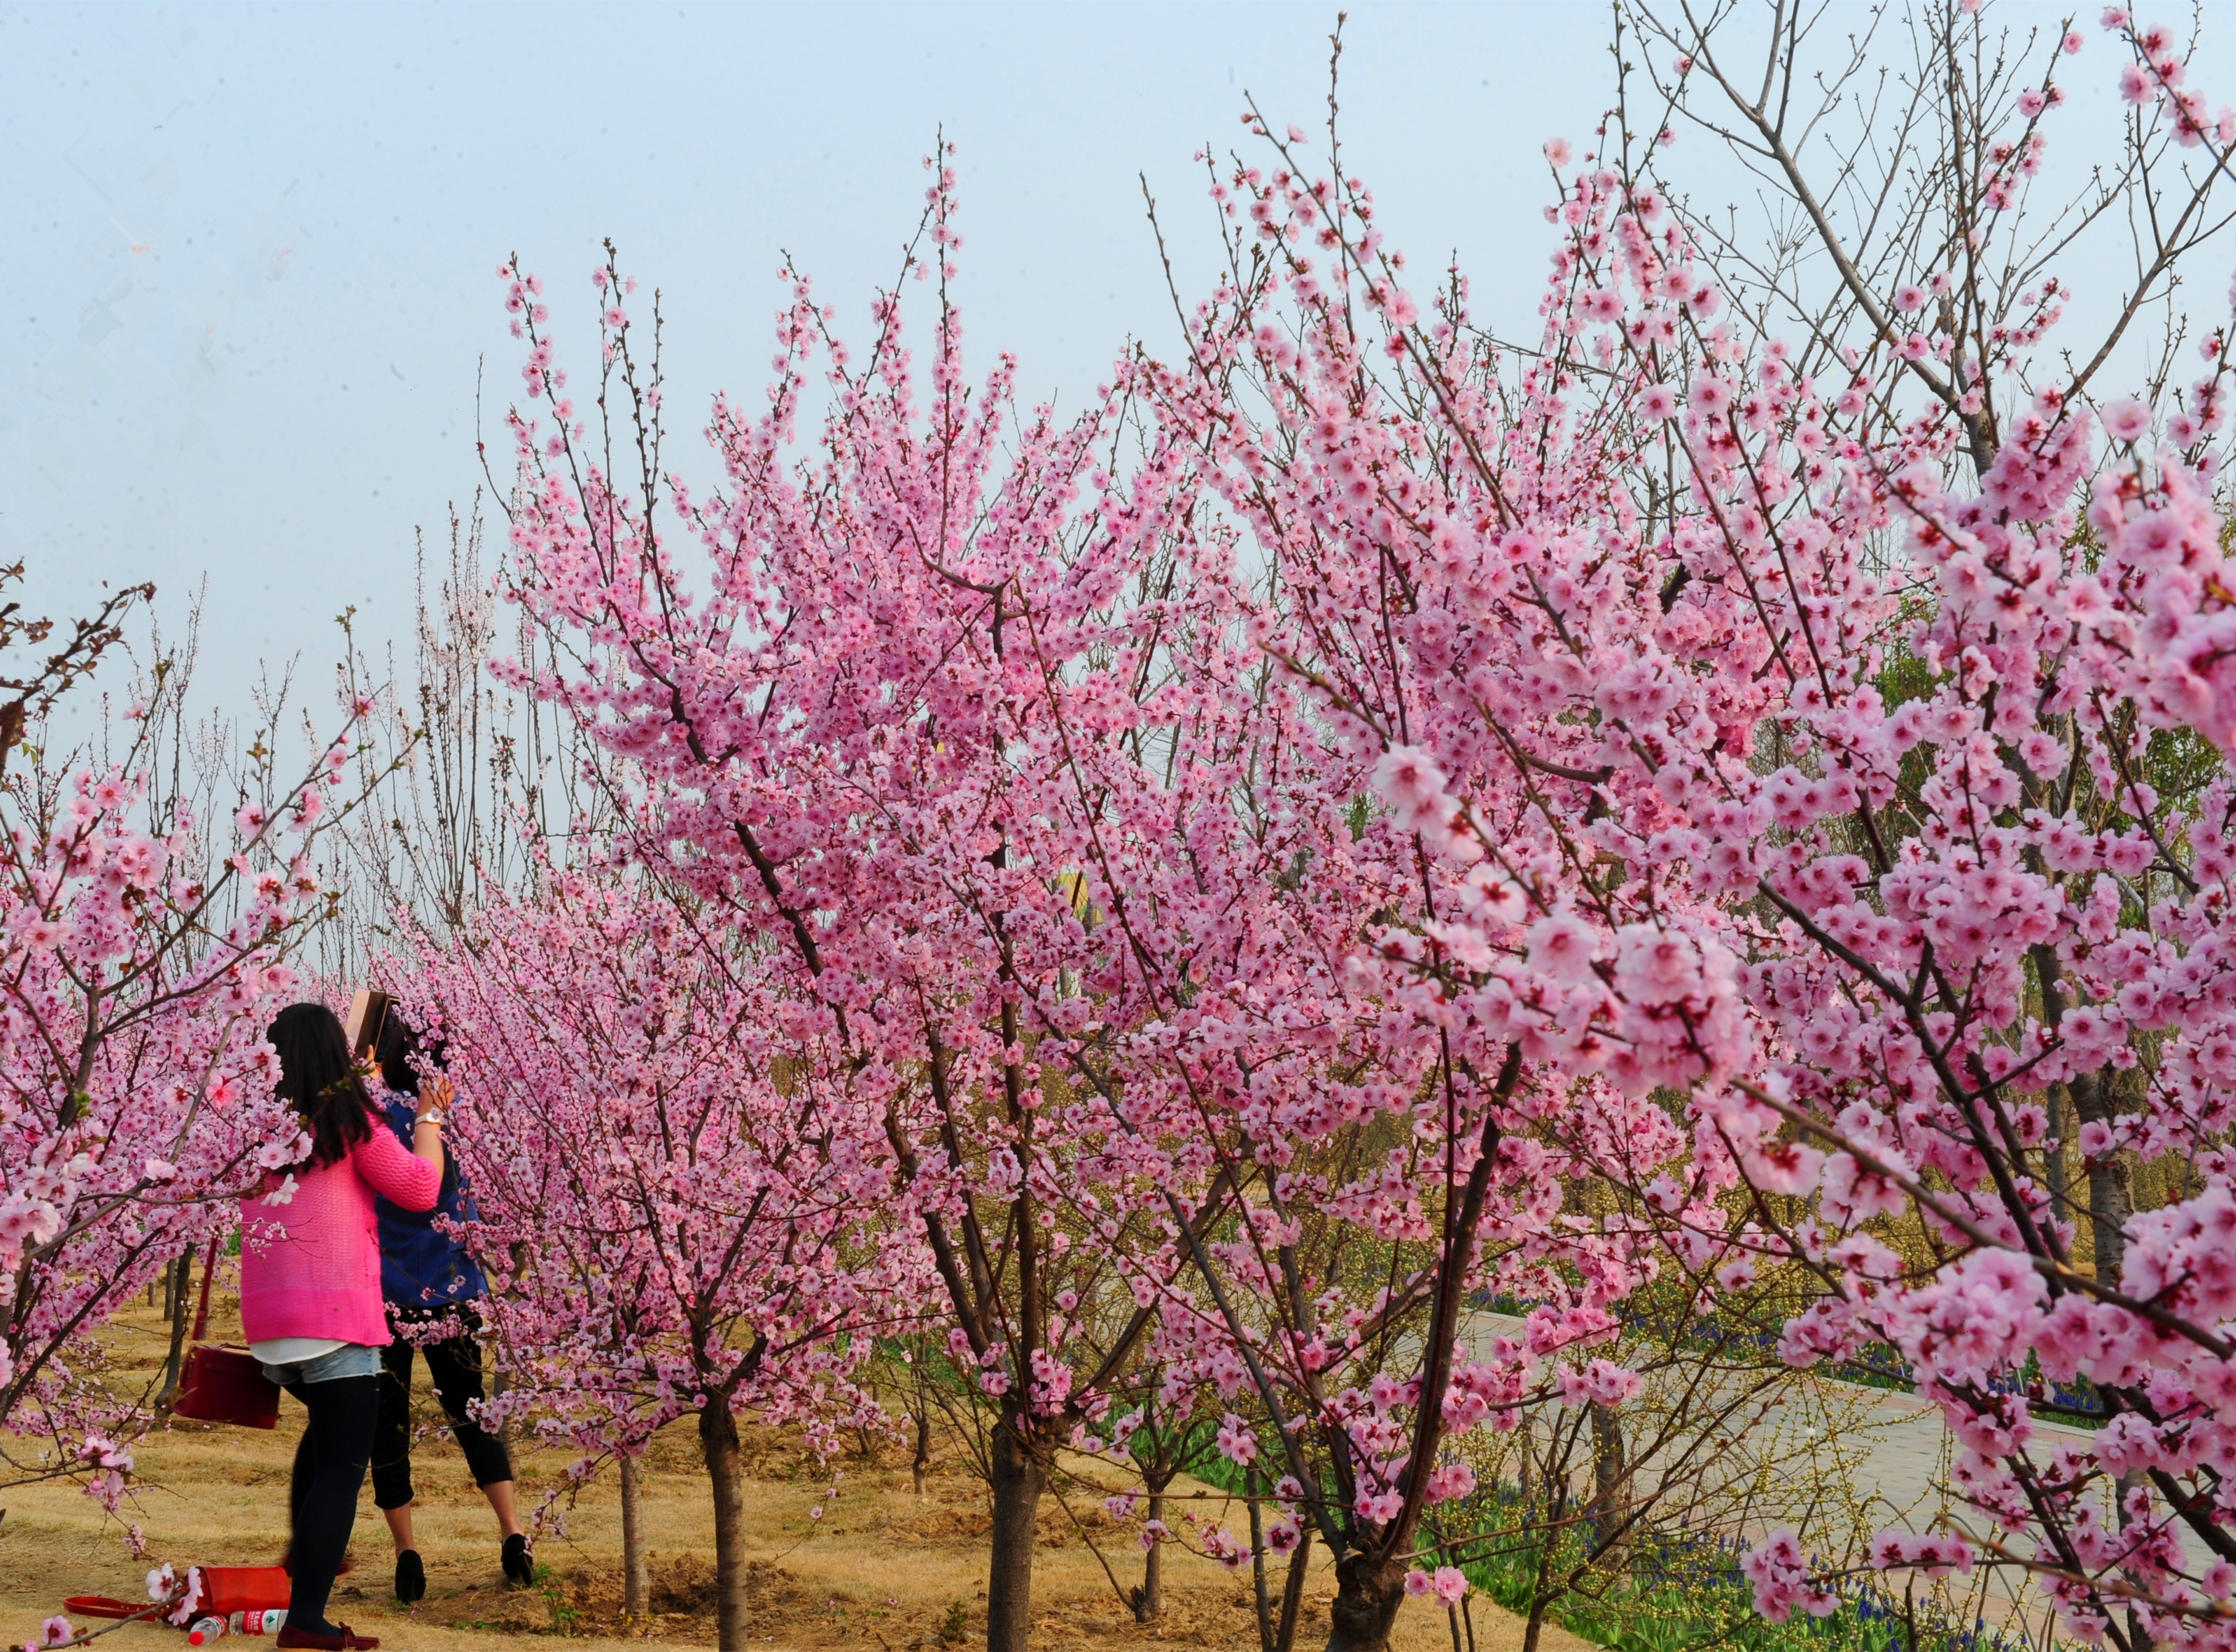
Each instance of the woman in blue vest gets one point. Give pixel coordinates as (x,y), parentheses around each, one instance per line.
(427,1277)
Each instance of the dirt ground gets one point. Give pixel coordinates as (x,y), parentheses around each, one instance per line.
(882,1568)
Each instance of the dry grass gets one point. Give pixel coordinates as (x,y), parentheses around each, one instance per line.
(882,1568)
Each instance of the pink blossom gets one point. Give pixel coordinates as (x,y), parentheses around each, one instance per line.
(1413,785)
(1781,1581)
(2126,418)
(1451,1480)
(1710,395)
(1562,948)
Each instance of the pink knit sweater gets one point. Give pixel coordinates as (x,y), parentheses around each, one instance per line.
(310,1267)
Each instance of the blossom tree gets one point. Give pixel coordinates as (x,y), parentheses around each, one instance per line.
(1166,1430)
(1812,781)
(676,1213)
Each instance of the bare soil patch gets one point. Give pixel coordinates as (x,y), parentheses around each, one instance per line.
(883,1568)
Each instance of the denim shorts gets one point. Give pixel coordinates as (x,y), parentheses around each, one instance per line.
(350,1359)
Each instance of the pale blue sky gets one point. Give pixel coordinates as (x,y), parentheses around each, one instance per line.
(247,254)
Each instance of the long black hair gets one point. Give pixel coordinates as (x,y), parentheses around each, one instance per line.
(317,1076)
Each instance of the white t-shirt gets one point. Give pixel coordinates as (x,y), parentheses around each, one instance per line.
(294,1351)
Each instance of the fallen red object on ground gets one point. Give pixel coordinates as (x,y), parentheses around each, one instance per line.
(209,1591)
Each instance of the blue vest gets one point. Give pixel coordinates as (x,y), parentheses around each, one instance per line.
(419,1263)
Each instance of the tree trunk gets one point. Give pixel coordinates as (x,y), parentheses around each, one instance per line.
(2108,1206)
(2139,1639)
(174,1286)
(1541,1594)
(1293,1593)
(718,1434)
(922,1460)
(1019,1478)
(2061,1131)
(1610,1472)
(1258,1563)
(637,1582)
(1368,1592)
(1535,1631)
(1149,1599)
(501,1379)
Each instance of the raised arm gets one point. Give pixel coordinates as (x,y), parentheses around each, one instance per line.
(413,1180)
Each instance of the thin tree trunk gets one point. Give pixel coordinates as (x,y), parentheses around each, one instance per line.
(2138,1638)
(2061,1131)
(1368,1592)
(2108,1206)
(922,1460)
(500,1379)
(1610,1469)
(637,1582)
(2107,1211)
(1535,1632)
(1293,1593)
(174,1286)
(1019,1478)
(1149,1599)
(717,1433)
(1258,1563)
(1541,1593)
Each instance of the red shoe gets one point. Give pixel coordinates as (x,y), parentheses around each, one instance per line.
(291,1636)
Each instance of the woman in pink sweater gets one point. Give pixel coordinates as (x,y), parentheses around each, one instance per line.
(310,1292)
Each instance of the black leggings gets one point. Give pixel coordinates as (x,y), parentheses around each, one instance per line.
(322,1499)
(454,1368)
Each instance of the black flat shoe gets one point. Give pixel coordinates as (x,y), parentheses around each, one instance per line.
(519,1569)
(410,1576)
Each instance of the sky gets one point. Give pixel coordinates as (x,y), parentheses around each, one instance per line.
(248,254)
